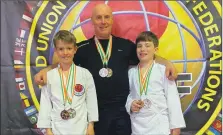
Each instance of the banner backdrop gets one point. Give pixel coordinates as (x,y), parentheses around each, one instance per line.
(190,34)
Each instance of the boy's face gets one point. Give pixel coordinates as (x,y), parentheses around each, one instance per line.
(145,50)
(65,52)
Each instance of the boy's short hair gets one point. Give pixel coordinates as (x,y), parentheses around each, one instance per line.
(148,36)
(65,36)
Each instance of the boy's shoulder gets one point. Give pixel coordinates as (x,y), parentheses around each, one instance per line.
(52,71)
(133,69)
(83,70)
(160,66)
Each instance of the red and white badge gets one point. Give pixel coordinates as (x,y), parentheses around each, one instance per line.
(79,90)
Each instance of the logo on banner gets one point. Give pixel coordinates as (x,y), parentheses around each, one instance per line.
(189,33)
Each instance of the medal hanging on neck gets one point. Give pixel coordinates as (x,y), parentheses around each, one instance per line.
(143,82)
(105,71)
(70,113)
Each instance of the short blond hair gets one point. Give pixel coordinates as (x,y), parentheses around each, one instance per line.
(65,36)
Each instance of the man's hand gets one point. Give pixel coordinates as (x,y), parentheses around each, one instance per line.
(175,131)
(171,72)
(136,105)
(41,77)
(49,131)
(90,129)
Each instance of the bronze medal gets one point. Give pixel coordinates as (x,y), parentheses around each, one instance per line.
(64,115)
(110,72)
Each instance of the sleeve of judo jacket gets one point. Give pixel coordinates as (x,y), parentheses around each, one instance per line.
(176,117)
(44,118)
(91,98)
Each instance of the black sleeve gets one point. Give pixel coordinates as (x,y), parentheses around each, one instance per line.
(133,59)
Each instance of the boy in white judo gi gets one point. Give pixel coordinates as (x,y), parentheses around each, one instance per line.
(153,103)
(68,104)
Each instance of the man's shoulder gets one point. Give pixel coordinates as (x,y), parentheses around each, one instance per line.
(123,39)
(84,43)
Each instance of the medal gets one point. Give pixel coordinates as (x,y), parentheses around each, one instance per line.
(105,56)
(147,103)
(72,113)
(64,115)
(103,72)
(144,82)
(110,72)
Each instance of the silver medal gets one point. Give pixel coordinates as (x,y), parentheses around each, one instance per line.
(72,113)
(147,103)
(103,72)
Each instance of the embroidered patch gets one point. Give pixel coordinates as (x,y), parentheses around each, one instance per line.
(79,90)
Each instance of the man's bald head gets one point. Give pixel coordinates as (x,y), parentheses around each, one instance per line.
(101,7)
(102,20)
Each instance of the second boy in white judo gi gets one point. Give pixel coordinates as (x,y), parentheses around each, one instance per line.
(153,103)
(68,104)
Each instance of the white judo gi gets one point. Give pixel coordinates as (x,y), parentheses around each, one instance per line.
(84,102)
(165,111)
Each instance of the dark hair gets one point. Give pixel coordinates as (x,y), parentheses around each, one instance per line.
(148,36)
(65,36)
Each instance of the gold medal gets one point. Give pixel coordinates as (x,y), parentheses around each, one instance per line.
(110,72)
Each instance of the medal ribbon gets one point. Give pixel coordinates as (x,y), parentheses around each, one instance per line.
(72,75)
(144,80)
(104,57)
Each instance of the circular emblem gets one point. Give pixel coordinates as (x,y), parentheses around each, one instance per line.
(147,103)
(110,72)
(64,115)
(195,48)
(79,90)
(72,113)
(103,72)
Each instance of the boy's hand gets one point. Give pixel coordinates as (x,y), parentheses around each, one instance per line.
(171,72)
(49,131)
(136,105)
(90,129)
(175,131)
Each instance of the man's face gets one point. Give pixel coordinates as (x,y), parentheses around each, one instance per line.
(146,50)
(102,20)
(65,52)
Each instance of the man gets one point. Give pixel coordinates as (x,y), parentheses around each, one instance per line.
(107,58)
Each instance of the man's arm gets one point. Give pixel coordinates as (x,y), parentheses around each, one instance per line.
(41,77)
(171,72)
